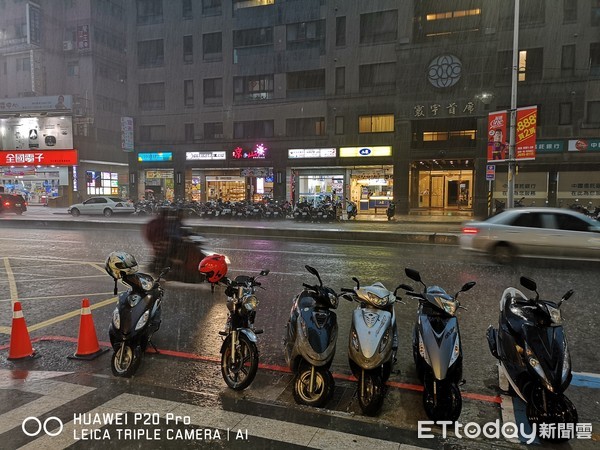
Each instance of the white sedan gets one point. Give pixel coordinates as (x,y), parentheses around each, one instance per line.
(534,232)
(107,206)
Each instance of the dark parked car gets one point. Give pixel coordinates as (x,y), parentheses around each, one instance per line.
(14,203)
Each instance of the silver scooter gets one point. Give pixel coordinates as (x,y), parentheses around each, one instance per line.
(437,350)
(373,342)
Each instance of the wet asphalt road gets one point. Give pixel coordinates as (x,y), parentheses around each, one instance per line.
(54,269)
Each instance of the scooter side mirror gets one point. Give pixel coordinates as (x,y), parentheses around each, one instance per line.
(467,286)
(357,282)
(528,283)
(567,296)
(413,275)
(264,273)
(314,271)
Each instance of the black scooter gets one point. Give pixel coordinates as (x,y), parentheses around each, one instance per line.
(531,347)
(134,321)
(310,341)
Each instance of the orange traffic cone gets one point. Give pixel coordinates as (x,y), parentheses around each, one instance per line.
(20,344)
(87,343)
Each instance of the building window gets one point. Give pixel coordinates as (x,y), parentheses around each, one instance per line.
(593,113)
(377,77)
(306,83)
(188,92)
(73,69)
(213,130)
(379,27)
(340,31)
(532,12)
(211,7)
(241,4)
(153,133)
(595,13)
(306,35)
(151,53)
(259,87)
(253,129)
(189,132)
(212,46)
(213,91)
(253,37)
(340,80)
(23,65)
(186,9)
(339,125)
(595,60)
(311,126)
(530,65)
(149,11)
(569,10)
(565,114)
(383,123)
(459,135)
(188,49)
(151,96)
(567,62)
(433,20)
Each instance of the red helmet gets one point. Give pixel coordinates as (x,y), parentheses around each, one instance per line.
(214,267)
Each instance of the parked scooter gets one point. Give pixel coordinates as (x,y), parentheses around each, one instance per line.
(310,340)
(437,350)
(373,342)
(239,352)
(351,209)
(137,315)
(531,346)
(390,211)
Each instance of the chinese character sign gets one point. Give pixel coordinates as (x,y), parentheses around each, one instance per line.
(497,149)
(526,132)
(525,139)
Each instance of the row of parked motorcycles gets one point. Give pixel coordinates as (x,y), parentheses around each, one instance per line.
(529,341)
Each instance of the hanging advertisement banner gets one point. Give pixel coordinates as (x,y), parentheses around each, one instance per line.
(525,139)
(127,134)
(526,132)
(43,133)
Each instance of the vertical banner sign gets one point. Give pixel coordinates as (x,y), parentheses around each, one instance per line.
(127,134)
(497,149)
(83,37)
(526,132)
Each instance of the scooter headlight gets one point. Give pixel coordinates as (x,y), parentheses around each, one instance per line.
(354,340)
(376,300)
(116,319)
(535,365)
(555,315)
(250,303)
(303,326)
(450,306)
(140,324)
(566,367)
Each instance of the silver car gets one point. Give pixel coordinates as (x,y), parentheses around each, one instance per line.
(104,205)
(534,232)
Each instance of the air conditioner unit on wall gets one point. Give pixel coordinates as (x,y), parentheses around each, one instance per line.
(68,45)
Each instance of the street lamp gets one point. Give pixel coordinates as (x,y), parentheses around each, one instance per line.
(510,192)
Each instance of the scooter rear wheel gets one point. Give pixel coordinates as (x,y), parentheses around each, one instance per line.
(239,374)
(323,387)
(370,393)
(127,365)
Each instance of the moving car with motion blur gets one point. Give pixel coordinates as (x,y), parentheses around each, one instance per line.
(534,232)
(12,203)
(104,205)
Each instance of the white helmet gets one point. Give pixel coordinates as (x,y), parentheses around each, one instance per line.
(119,264)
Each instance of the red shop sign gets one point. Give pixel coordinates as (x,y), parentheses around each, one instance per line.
(38,158)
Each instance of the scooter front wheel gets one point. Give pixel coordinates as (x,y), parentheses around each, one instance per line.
(551,409)
(239,372)
(322,387)
(370,393)
(446,404)
(125,361)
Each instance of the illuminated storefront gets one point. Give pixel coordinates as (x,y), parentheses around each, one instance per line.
(156,182)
